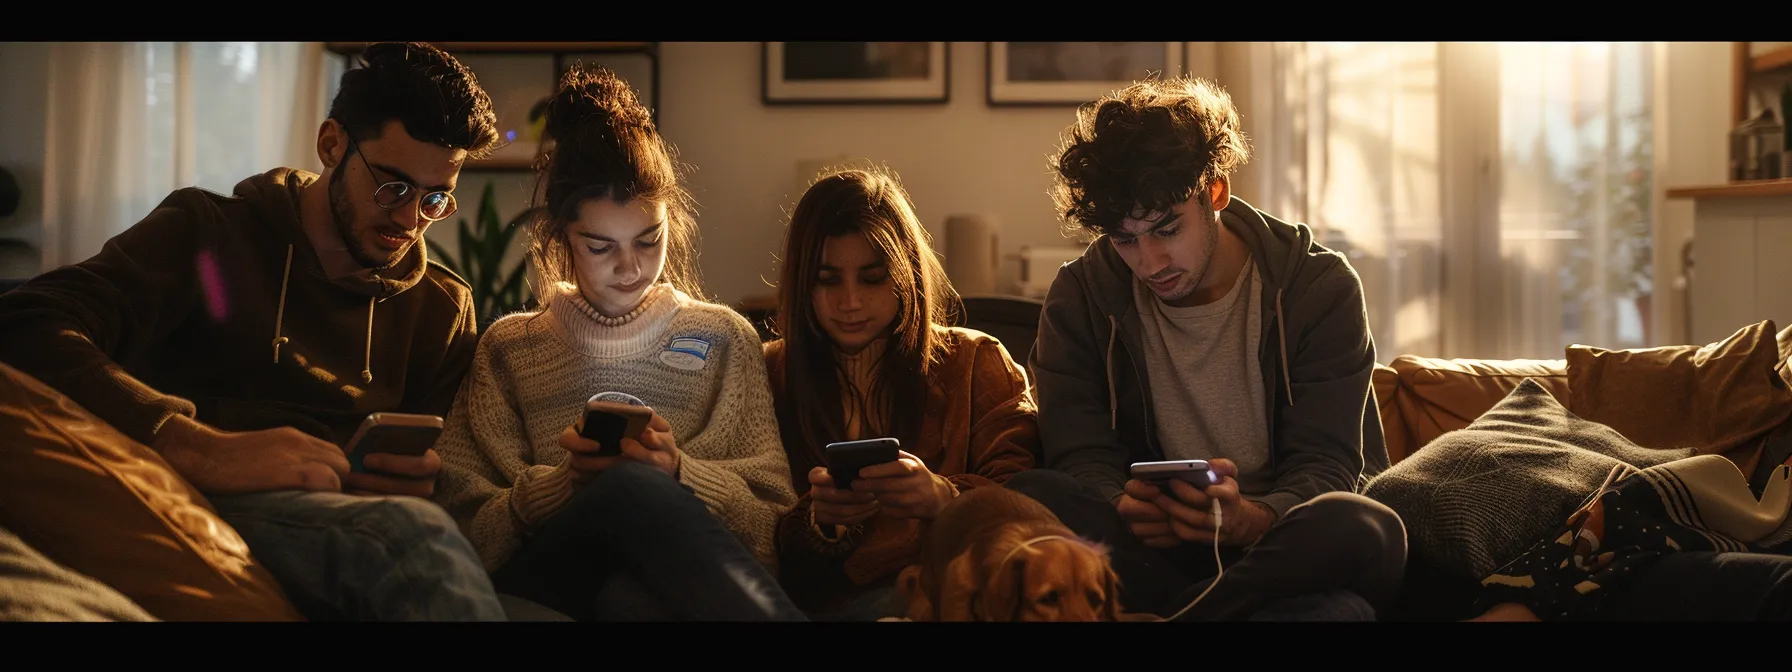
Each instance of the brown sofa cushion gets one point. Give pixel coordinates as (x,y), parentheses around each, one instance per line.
(1718,398)
(101,504)
(1423,397)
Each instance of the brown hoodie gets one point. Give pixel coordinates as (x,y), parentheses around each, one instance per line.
(218,308)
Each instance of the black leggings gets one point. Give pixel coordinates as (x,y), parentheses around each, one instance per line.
(1337,542)
(635,534)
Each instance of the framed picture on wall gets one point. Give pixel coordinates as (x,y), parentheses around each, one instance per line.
(841,73)
(517,83)
(1072,73)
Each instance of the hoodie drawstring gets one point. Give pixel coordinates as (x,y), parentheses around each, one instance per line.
(280,317)
(367,358)
(280,313)
(1113,401)
(1282,334)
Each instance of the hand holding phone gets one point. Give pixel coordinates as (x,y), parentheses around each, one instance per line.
(1193,472)
(404,434)
(846,458)
(399,447)
(609,422)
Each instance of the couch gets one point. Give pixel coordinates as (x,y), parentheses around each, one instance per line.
(1422,398)
(111,509)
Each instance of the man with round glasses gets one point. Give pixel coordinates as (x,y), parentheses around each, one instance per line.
(245,337)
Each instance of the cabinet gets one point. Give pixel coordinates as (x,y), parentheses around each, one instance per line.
(1742,265)
(518,75)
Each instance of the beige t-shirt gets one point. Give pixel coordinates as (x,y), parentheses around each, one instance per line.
(1206,381)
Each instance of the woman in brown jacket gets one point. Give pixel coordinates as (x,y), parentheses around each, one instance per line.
(865,354)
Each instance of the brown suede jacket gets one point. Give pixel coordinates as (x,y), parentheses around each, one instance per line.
(980,430)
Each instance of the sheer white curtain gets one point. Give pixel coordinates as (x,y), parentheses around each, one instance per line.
(1495,198)
(129,122)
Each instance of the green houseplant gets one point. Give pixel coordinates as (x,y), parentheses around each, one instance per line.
(497,291)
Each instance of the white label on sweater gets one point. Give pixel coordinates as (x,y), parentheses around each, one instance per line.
(688,353)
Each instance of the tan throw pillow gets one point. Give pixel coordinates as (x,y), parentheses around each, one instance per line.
(101,504)
(1713,398)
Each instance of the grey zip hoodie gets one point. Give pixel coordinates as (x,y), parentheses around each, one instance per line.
(1095,412)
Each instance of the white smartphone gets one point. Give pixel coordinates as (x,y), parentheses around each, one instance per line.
(1194,472)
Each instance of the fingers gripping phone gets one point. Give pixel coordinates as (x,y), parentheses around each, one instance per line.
(846,458)
(393,433)
(609,422)
(1194,472)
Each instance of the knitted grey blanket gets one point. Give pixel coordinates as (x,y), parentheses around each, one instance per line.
(1476,498)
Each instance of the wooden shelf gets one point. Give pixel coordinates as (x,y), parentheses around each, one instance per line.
(351,48)
(1771,61)
(1749,189)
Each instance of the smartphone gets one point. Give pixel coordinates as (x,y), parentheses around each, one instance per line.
(609,422)
(846,458)
(396,433)
(1194,472)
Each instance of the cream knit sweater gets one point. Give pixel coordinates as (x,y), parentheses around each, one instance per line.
(699,365)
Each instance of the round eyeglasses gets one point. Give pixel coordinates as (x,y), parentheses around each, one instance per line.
(433,206)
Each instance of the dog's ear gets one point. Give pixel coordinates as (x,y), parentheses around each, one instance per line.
(959,590)
(1110,611)
(1005,589)
(908,585)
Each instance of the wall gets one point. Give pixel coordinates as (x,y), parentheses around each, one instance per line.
(24,94)
(1690,152)
(960,157)
(963,156)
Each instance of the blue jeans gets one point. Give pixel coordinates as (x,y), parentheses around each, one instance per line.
(634,544)
(349,557)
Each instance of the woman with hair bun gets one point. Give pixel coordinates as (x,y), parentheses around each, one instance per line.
(680,524)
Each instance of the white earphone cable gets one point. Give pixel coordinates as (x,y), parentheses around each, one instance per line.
(1217,562)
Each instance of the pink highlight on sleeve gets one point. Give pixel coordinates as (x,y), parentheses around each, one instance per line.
(211,285)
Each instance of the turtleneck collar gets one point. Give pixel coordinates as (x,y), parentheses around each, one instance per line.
(593,334)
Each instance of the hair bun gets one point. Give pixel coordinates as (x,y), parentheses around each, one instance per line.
(593,93)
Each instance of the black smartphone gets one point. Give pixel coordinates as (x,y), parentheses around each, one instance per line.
(395,433)
(846,458)
(609,422)
(1195,472)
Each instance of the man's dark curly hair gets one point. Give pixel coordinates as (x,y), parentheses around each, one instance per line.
(436,98)
(1144,149)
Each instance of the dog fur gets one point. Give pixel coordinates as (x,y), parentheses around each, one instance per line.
(961,574)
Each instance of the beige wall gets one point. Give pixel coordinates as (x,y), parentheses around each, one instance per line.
(960,157)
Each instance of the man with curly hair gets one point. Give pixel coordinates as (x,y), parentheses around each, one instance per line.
(1197,327)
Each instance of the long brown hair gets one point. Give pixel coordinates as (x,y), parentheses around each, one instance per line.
(872,203)
(605,145)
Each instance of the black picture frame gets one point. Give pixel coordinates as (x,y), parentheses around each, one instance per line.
(821,58)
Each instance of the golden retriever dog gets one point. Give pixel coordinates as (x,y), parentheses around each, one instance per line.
(997,555)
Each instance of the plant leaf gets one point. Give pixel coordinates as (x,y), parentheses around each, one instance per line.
(491,253)
(469,257)
(510,294)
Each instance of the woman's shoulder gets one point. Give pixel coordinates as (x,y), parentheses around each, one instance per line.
(720,318)
(974,352)
(511,330)
(965,341)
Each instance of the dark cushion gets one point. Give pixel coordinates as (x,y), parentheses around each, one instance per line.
(1477,497)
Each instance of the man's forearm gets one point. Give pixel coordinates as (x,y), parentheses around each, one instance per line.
(61,356)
